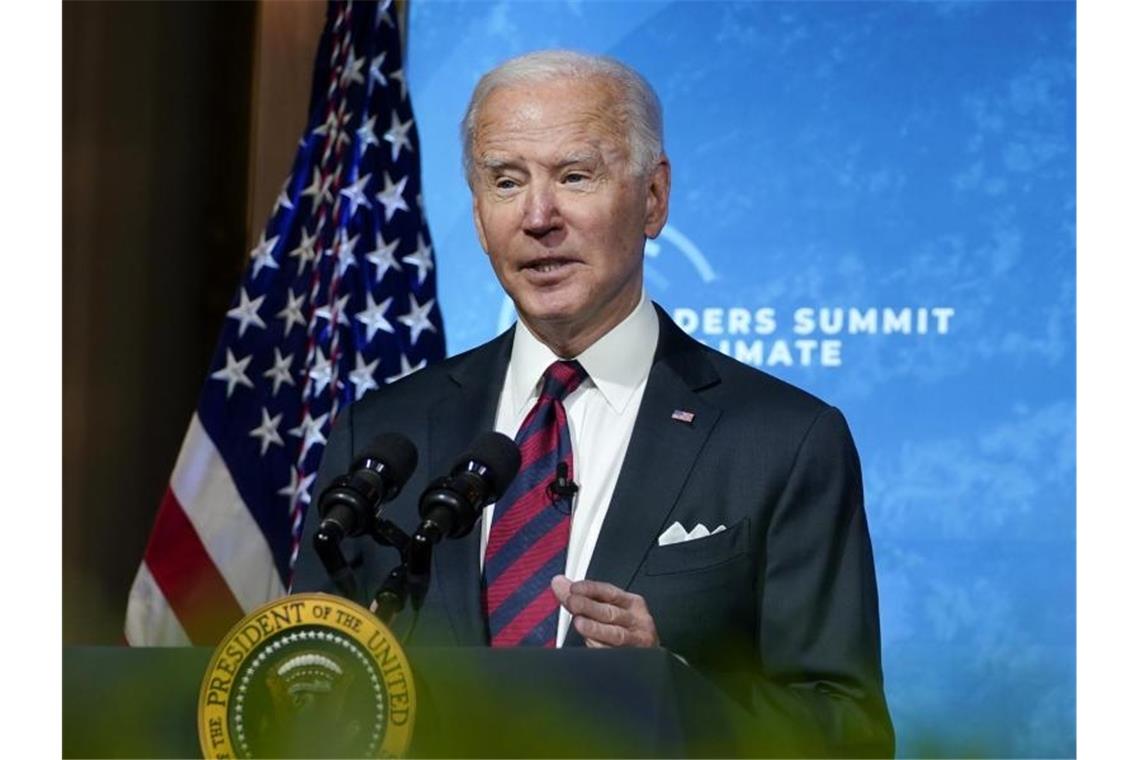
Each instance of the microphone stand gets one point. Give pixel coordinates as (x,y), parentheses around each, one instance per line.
(448,508)
(327,545)
(409,579)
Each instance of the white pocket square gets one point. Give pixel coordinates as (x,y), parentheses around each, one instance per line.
(676,533)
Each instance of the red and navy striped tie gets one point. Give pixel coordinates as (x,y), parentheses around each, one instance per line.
(530,532)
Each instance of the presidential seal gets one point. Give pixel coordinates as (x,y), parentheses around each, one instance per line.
(310,675)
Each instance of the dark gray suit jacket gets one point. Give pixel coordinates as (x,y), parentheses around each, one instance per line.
(780,609)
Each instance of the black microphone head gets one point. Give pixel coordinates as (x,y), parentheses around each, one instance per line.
(396,452)
(451,504)
(500,456)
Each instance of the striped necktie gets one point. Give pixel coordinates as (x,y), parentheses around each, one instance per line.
(530,532)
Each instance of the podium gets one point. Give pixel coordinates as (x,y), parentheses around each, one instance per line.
(470,702)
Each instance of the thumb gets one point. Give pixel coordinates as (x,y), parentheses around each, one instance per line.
(560,585)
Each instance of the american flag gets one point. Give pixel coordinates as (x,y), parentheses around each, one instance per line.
(338,298)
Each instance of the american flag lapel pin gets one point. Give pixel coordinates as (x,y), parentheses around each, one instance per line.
(683,415)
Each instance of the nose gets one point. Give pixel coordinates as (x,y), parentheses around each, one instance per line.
(540,210)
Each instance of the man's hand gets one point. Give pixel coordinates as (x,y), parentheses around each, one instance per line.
(605,615)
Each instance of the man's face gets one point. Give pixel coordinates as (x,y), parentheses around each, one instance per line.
(559,210)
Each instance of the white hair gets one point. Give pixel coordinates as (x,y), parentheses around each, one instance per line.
(638,109)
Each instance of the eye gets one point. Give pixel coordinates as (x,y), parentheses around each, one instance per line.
(574,178)
(505,183)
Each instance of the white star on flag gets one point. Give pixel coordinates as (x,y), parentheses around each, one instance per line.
(309,431)
(298,487)
(305,250)
(334,127)
(234,372)
(279,372)
(262,254)
(328,125)
(397,134)
(373,317)
(318,189)
(362,376)
(356,195)
(344,251)
(292,311)
(406,369)
(374,71)
(326,311)
(417,317)
(334,122)
(283,198)
(383,257)
(382,15)
(246,312)
(398,76)
(314,189)
(329,184)
(320,373)
(342,137)
(420,259)
(367,134)
(352,69)
(392,196)
(266,432)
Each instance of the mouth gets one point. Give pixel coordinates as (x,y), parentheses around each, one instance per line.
(548,265)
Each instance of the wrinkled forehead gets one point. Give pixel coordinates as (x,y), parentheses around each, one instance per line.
(552,116)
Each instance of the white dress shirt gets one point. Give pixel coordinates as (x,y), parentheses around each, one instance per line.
(600,412)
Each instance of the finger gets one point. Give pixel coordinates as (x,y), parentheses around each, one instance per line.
(602,592)
(607,635)
(600,611)
(560,585)
(602,634)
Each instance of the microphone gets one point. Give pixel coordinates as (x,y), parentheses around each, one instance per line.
(351,502)
(451,504)
(448,509)
(561,489)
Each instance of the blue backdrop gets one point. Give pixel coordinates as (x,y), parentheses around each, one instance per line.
(874,201)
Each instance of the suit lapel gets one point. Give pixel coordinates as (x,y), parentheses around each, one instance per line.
(467,410)
(661,453)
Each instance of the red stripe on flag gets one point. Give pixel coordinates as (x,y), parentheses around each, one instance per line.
(192,585)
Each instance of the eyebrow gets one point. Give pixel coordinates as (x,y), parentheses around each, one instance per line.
(496,163)
(578,157)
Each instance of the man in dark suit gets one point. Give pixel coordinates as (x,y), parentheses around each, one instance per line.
(719,510)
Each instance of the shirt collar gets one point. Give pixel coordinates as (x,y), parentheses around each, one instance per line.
(617,363)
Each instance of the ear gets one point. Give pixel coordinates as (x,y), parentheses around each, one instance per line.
(479,223)
(657,198)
